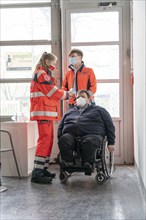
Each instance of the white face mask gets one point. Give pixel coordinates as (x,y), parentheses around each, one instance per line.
(73,60)
(81,102)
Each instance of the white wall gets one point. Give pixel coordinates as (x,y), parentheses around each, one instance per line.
(139,65)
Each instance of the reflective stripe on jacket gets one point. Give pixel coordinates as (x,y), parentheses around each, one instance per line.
(45,96)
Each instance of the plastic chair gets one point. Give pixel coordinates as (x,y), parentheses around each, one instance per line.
(10,149)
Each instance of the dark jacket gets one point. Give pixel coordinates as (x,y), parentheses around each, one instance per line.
(93,120)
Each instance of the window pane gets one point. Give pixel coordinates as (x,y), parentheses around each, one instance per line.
(25,24)
(22,1)
(94,27)
(15,98)
(107,96)
(104,60)
(19,62)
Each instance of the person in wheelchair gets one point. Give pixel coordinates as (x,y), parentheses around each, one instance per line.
(84,126)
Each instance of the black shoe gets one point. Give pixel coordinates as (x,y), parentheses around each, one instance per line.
(88,173)
(41,180)
(49,174)
(39,177)
(88,167)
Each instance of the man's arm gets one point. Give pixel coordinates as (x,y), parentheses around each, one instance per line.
(109,128)
(64,84)
(93,83)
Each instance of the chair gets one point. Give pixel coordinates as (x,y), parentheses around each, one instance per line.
(11,149)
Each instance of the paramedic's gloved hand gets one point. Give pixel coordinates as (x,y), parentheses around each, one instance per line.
(71,92)
(111,148)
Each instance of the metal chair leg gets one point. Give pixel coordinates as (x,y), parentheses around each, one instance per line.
(14,155)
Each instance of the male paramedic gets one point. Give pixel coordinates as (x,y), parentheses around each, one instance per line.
(79,76)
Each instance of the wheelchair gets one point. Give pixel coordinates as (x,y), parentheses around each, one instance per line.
(103,165)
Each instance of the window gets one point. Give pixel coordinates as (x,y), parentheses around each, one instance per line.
(15,98)
(25,24)
(104,59)
(19,62)
(102,26)
(25,35)
(101,52)
(22,1)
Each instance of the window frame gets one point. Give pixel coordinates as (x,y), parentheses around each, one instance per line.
(55,41)
(23,42)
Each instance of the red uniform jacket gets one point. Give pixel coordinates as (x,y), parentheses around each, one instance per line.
(45,96)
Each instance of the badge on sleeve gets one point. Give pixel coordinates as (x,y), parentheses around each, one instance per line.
(47,78)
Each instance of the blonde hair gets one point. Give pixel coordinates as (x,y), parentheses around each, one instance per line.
(45,56)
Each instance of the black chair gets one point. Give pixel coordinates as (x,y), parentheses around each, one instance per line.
(10,149)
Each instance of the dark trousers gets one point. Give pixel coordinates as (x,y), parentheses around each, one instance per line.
(87,146)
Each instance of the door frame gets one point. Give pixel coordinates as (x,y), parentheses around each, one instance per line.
(123,124)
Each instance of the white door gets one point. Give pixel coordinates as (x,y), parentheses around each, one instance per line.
(103,37)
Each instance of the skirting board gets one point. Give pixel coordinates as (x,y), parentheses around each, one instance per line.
(143,189)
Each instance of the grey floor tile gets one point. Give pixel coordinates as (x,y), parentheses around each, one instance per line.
(81,198)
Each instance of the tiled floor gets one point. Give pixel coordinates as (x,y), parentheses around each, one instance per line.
(81,198)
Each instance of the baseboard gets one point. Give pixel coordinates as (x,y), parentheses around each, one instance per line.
(143,189)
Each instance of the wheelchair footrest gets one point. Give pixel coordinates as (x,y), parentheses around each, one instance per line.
(75,168)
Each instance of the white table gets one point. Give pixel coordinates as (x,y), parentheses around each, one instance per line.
(24,136)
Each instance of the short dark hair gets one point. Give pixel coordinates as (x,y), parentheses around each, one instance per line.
(79,52)
(83,91)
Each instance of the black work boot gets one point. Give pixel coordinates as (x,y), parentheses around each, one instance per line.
(88,168)
(49,174)
(46,171)
(39,177)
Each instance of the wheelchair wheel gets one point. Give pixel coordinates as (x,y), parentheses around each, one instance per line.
(100,178)
(63,177)
(109,159)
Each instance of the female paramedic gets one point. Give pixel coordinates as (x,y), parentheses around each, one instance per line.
(45,100)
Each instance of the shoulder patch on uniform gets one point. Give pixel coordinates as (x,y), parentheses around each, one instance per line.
(47,78)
